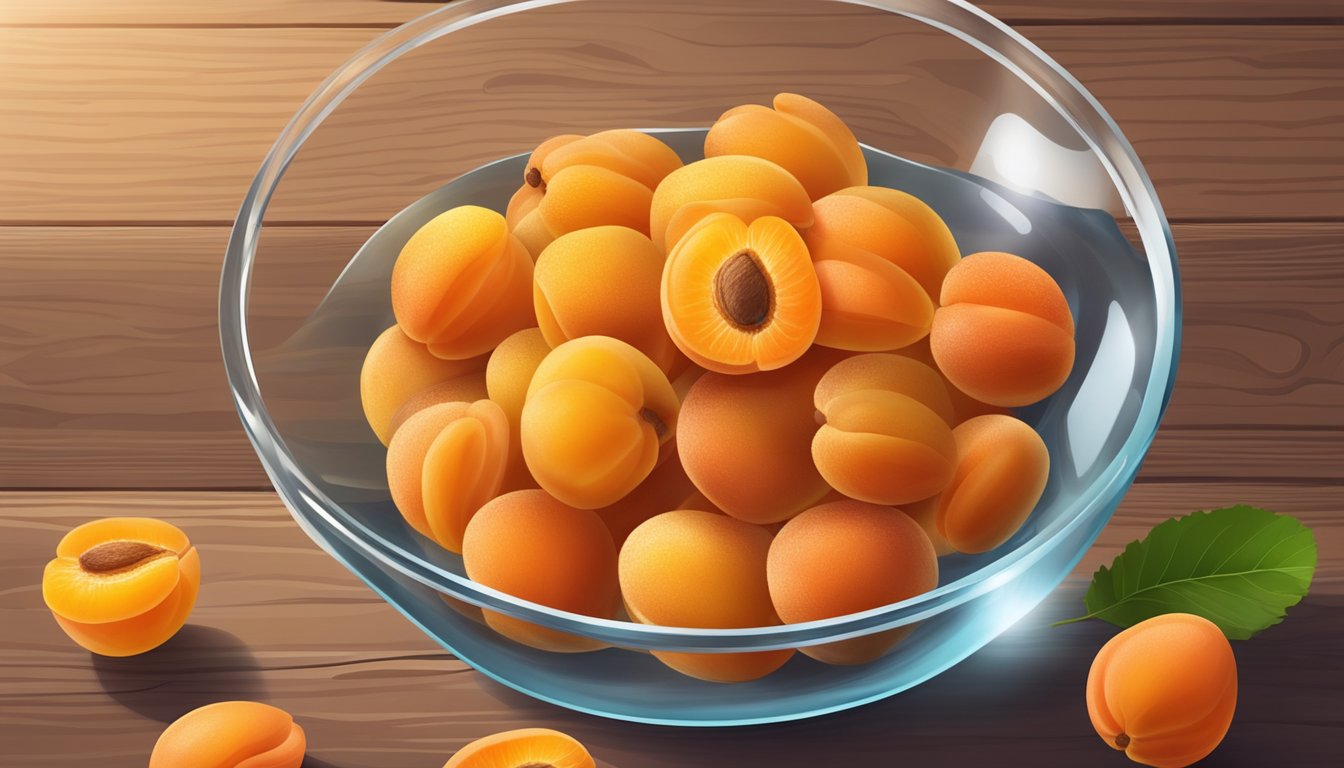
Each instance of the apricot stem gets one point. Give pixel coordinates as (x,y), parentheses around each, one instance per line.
(1122,740)
(533,178)
(659,426)
(117,555)
(742,291)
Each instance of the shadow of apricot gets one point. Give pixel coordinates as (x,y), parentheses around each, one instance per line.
(198,666)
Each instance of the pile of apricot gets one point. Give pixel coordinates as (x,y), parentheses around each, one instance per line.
(682,393)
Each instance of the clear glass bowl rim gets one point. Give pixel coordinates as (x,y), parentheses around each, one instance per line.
(1010,50)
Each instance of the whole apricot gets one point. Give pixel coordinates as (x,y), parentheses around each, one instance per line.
(467,388)
(597,415)
(396,369)
(523,748)
(963,405)
(603,281)
(845,557)
(1004,332)
(507,376)
(739,298)
(1164,690)
(746,441)
(1002,468)
(690,568)
(229,734)
(894,225)
(895,373)
(666,487)
(925,512)
(462,283)
(747,187)
(122,586)
(529,545)
(444,463)
(868,304)
(800,135)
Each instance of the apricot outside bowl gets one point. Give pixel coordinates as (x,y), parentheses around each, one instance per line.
(950,104)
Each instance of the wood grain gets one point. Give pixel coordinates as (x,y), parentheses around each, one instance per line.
(182,117)
(280,621)
(110,374)
(311,13)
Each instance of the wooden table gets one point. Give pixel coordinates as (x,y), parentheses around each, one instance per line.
(128,132)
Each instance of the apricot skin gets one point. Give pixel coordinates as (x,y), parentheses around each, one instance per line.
(746,441)
(395,369)
(530,545)
(886,558)
(800,135)
(868,304)
(521,748)
(597,416)
(507,375)
(748,187)
(963,405)
(1004,332)
(603,281)
(229,734)
(462,283)
(896,373)
(691,568)
(467,388)
(663,490)
(1164,690)
(1002,469)
(122,586)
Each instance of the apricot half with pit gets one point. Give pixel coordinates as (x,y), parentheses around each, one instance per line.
(122,585)
(523,748)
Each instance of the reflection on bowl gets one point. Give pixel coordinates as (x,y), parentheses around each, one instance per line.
(952,106)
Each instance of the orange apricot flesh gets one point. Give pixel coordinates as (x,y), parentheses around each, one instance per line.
(1002,469)
(444,463)
(800,135)
(597,415)
(1004,332)
(739,298)
(746,186)
(531,546)
(868,304)
(462,283)
(746,441)
(1164,691)
(122,586)
(396,368)
(507,376)
(523,748)
(691,568)
(231,734)
(603,281)
(891,224)
(886,558)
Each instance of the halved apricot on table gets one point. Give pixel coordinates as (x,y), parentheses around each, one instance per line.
(231,734)
(1002,469)
(844,557)
(444,463)
(523,748)
(1004,332)
(597,415)
(122,585)
(530,545)
(747,187)
(396,368)
(462,283)
(800,135)
(738,298)
(691,568)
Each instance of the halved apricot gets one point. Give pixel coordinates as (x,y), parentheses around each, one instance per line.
(523,748)
(444,463)
(1004,332)
(691,568)
(800,135)
(844,557)
(507,376)
(597,414)
(738,298)
(532,546)
(603,281)
(397,368)
(1002,469)
(748,187)
(462,283)
(231,734)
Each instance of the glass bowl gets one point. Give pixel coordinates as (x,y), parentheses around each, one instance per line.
(948,102)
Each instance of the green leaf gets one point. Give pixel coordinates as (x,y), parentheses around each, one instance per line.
(1240,567)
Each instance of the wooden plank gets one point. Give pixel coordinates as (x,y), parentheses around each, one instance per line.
(387,12)
(110,374)
(279,621)
(155,125)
